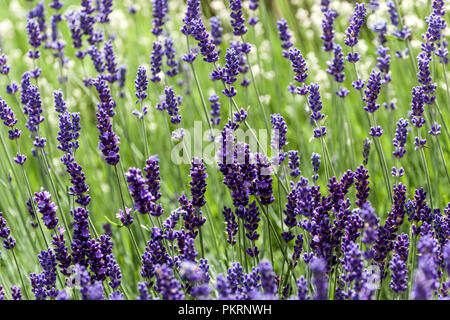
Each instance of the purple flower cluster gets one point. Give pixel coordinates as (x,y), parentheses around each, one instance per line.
(285,36)
(328,29)
(356,22)
(5,233)
(171,103)
(159,13)
(47,208)
(237,18)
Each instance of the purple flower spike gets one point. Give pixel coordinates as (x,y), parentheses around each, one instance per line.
(5,233)
(285,36)
(47,208)
(328,29)
(231,225)
(159,13)
(156,61)
(372,91)
(166,284)
(216,30)
(237,18)
(141,84)
(356,22)
(198,183)
(400,138)
(298,65)
(336,66)
(171,104)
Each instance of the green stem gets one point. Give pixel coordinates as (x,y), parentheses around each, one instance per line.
(25,291)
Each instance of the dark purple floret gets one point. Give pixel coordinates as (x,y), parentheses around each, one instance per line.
(328,29)
(356,22)
(353,57)
(358,84)
(125,217)
(237,18)
(56,4)
(159,13)
(435,129)
(16,294)
(47,208)
(253,5)
(4,68)
(12,88)
(376,131)
(372,91)
(7,115)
